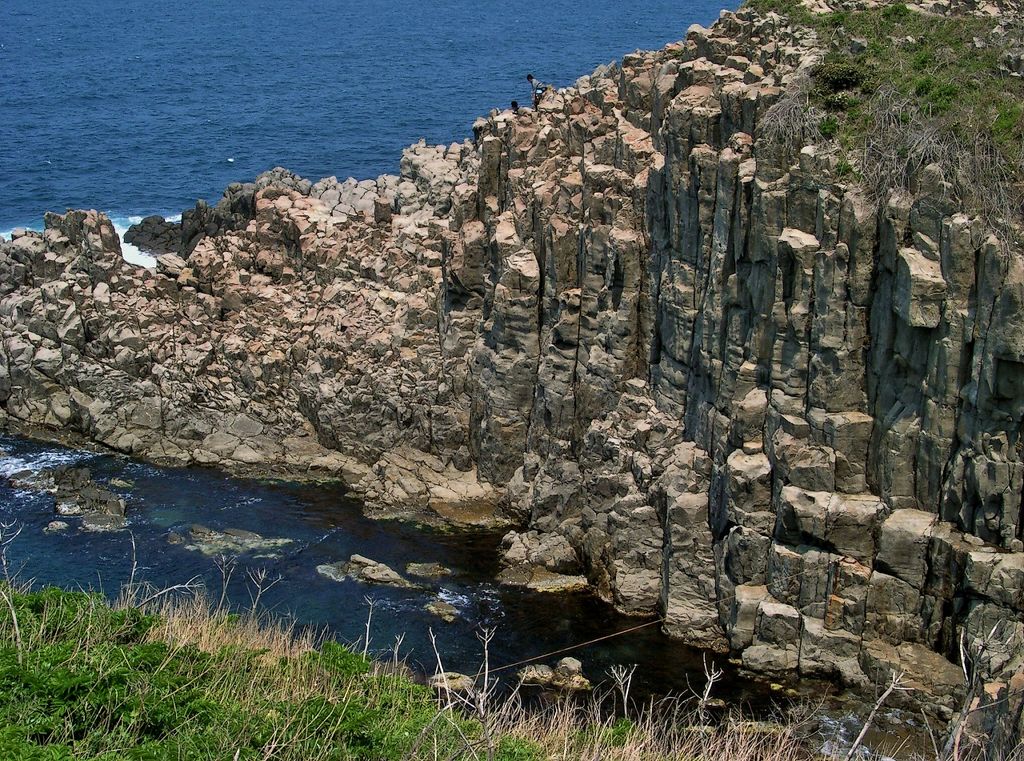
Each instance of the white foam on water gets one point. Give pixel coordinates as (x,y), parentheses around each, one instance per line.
(460,601)
(13,464)
(6,234)
(121,224)
(132,254)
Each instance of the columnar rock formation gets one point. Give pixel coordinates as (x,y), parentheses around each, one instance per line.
(753,402)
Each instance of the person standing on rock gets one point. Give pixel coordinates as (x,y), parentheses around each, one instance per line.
(538,89)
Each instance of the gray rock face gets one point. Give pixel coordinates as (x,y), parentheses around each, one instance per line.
(693,361)
(77,494)
(155,235)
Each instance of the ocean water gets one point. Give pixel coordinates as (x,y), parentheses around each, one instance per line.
(137,108)
(323,525)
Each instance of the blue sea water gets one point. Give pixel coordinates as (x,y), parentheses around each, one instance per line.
(322,525)
(143,107)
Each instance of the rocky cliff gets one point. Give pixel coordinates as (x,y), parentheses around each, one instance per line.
(748,398)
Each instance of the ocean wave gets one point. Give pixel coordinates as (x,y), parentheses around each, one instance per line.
(132,254)
(33,463)
(457,599)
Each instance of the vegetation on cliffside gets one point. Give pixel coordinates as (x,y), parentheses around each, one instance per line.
(81,679)
(900,89)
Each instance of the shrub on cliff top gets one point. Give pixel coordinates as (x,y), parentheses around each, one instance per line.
(910,89)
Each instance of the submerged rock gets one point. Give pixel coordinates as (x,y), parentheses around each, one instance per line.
(443,610)
(77,494)
(32,480)
(100,522)
(427,570)
(231,541)
(360,568)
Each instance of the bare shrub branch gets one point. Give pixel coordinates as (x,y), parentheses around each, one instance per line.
(904,140)
(792,121)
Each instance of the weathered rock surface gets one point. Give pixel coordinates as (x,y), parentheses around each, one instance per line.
(541,562)
(77,494)
(443,610)
(427,570)
(566,676)
(155,235)
(540,579)
(452,682)
(359,568)
(229,542)
(697,361)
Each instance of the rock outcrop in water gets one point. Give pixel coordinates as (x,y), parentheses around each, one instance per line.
(155,235)
(744,397)
(75,493)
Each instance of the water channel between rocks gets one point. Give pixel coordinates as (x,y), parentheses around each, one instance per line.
(323,525)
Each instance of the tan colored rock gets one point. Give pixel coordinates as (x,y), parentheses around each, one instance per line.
(920,289)
(669,346)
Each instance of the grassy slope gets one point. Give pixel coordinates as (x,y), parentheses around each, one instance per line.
(84,680)
(102,683)
(897,85)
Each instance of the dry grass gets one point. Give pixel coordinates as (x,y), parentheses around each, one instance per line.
(570,731)
(912,99)
(793,121)
(905,141)
(245,686)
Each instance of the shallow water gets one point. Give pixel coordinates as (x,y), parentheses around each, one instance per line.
(325,526)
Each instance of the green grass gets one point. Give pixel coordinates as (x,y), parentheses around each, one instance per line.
(81,679)
(96,683)
(928,73)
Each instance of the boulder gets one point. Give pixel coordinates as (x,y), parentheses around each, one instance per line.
(566,676)
(443,610)
(155,235)
(77,494)
(541,580)
(552,552)
(427,570)
(365,570)
(452,682)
